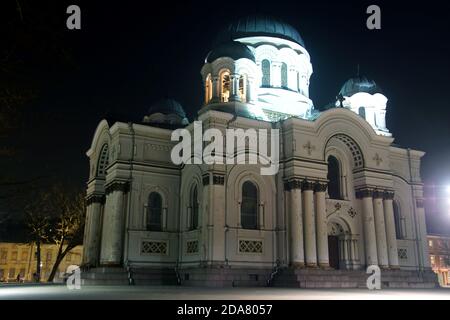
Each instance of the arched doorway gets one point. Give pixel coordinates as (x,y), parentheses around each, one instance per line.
(335,230)
(342,246)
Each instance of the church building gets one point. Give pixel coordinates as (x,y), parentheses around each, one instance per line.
(345,196)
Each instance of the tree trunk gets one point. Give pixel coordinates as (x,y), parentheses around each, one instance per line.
(59,258)
(38,260)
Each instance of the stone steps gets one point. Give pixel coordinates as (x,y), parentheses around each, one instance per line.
(319,278)
(242,277)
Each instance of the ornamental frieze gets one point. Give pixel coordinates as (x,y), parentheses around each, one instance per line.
(123,186)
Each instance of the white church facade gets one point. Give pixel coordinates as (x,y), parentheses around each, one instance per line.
(344,197)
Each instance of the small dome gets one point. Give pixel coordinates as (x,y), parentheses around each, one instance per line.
(259,25)
(359,84)
(231,49)
(166,113)
(167,106)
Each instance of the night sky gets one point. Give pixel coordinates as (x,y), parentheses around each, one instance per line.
(128,55)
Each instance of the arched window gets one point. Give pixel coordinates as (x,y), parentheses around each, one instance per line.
(362,112)
(334,177)
(397,220)
(243,87)
(103,161)
(265,68)
(298,81)
(249,206)
(208,89)
(225,81)
(154,212)
(284,75)
(194,208)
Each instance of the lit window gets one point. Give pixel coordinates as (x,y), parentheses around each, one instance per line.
(14,256)
(154,212)
(433,260)
(249,206)
(226,86)
(208,89)
(3,256)
(430,243)
(265,68)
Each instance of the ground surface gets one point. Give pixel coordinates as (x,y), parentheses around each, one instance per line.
(190,293)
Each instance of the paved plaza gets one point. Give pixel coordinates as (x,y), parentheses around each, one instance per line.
(61,292)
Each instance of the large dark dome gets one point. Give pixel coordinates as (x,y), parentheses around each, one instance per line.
(232,49)
(167,106)
(359,84)
(259,25)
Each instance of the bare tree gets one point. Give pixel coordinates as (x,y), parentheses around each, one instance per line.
(69,226)
(38,223)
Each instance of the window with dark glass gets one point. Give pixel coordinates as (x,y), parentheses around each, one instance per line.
(362,112)
(154,212)
(249,206)
(397,220)
(334,176)
(194,208)
(265,68)
(284,75)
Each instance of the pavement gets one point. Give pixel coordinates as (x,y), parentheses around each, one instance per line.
(61,292)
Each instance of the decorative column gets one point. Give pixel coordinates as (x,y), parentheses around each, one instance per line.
(297,255)
(91,243)
(214,194)
(310,223)
(113,224)
(234,87)
(390,229)
(251,90)
(422,235)
(321,225)
(370,239)
(380,229)
(215,90)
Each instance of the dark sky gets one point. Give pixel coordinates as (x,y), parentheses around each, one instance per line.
(129,54)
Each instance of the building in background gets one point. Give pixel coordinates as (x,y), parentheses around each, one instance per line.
(439,248)
(20,258)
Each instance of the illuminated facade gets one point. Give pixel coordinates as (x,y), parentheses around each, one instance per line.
(20,258)
(344,198)
(439,247)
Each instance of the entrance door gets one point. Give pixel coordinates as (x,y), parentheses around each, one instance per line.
(333,251)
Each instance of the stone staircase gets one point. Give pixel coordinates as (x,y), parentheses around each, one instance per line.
(225,277)
(105,276)
(134,275)
(254,277)
(153,276)
(319,278)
